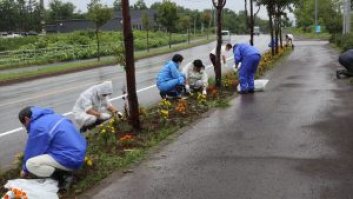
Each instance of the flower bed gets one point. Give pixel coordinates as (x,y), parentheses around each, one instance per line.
(114,145)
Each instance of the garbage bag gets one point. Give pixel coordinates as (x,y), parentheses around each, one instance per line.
(259,84)
(36,188)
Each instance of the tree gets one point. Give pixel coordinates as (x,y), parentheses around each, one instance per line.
(185,23)
(140,5)
(146,25)
(219,4)
(60,11)
(206,18)
(100,15)
(19,15)
(130,67)
(167,17)
(117,5)
(329,11)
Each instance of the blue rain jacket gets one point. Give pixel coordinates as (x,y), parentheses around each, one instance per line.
(170,76)
(241,51)
(55,135)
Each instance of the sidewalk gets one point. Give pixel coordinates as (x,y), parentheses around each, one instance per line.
(293,141)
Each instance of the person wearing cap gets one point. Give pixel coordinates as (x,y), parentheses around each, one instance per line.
(249,57)
(196,77)
(170,81)
(93,107)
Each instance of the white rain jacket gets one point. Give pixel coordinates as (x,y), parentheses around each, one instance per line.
(92,99)
(195,79)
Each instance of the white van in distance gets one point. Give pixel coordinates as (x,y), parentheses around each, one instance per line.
(226,36)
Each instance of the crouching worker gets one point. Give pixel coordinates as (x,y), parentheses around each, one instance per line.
(93,107)
(54,147)
(196,77)
(250,58)
(170,81)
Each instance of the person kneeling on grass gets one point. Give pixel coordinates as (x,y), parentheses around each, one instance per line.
(170,81)
(93,107)
(54,146)
(196,77)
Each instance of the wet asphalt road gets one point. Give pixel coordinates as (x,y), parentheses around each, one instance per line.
(62,91)
(293,141)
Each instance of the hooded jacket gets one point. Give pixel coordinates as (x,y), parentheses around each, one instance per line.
(52,134)
(92,98)
(242,51)
(170,71)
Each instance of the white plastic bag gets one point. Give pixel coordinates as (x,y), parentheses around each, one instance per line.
(259,84)
(36,188)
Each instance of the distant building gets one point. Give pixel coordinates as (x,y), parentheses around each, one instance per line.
(115,24)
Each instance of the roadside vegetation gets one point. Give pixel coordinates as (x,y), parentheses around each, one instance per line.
(36,50)
(66,67)
(114,146)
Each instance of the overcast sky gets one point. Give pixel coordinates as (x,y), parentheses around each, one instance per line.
(235,5)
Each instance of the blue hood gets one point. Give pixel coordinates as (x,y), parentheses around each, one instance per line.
(38,112)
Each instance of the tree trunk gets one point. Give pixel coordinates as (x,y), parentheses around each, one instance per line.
(246,14)
(218,70)
(251,23)
(208,28)
(277,29)
(280,36)
(188,35)
(98,45)
(130,67)
(269,10)
(170,39)
(147,43)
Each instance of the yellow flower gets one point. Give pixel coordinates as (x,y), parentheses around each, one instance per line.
(88,161)
(164,113)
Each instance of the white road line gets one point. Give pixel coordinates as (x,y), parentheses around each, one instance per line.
(113,99)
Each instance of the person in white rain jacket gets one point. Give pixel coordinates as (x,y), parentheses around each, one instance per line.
(196,77)
(93,106)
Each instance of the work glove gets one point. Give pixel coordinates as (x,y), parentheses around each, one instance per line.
(235,69)
(105,116)
(119,114)
(187,88)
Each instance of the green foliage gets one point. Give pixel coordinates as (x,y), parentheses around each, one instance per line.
(19,15)
(330,15)
(60,11)
(167,15)
(185,22)
(98,13)
(345,42)
(145,20)
(140,5)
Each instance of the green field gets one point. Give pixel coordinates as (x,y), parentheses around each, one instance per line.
(36,50)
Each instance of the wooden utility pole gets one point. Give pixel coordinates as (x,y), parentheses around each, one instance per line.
(130,67)
(219,5)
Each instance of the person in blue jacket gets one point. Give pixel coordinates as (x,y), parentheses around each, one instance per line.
(170,80)
(54,146)
(249,57)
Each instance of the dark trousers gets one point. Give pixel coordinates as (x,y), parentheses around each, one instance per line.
(213,61)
